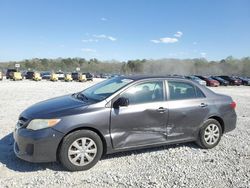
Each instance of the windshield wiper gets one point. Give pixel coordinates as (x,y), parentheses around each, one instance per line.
(81,96)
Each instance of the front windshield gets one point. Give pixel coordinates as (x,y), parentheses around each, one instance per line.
(106,88)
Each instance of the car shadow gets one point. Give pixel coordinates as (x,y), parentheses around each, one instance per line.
(9,160)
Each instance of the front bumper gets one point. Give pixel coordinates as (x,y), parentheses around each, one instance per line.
(37,146)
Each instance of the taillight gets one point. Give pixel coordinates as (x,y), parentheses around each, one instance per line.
(233,105)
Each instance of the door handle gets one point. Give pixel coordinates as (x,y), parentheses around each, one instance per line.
(203,105)
(161,110)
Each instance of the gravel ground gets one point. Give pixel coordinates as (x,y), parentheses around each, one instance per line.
(184,165)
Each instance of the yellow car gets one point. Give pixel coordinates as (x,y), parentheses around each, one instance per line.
(54,77)
(82,78)
(17,76)
(68,78)
(37,76)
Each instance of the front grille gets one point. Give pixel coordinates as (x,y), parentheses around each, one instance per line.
(22,122)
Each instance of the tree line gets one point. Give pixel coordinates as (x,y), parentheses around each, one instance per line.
(228,66)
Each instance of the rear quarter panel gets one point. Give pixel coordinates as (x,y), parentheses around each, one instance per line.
(224,110)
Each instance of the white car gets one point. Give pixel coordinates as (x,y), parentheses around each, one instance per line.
(60,75)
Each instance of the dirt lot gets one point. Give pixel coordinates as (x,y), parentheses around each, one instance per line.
(185,165)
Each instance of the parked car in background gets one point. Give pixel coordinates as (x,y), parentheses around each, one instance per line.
(196,79)
(37,76)
(53,77)
(210,82)
(220,80)
(29,75)
(104,75)
(244,80)
(82,78)
(68,78)
(1,75)
(231,80)
(60,75)
(121,114)
(97,75)
(89,76)
(9,74)
(46,75)
(16,76)
(75,75)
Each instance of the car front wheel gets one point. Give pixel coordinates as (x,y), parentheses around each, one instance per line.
(210,134)
(80,150)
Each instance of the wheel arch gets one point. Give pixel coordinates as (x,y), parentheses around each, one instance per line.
(85,128)
(220,120)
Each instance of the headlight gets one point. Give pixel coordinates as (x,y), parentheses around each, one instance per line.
(37,124)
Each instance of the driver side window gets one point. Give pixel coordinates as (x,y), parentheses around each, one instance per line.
(146,92)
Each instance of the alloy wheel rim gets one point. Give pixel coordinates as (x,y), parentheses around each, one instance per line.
(212,134)
(82,151)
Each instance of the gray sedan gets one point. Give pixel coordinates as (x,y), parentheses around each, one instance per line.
(119,114)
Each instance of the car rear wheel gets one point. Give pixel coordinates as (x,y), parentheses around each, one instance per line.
(210,134)
(80,150)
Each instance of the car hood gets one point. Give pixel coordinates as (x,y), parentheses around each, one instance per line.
(56,107)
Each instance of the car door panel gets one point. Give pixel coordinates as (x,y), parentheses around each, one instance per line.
(185,117)
(137,125)
(144,121)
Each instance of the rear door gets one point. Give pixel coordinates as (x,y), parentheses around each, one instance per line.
(144,120)
(188,107)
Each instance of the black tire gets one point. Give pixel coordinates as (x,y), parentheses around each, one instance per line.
(68,141)
(207,125)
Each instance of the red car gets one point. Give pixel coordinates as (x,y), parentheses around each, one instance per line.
(210,82)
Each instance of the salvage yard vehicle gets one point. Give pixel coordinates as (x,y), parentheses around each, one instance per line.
(75,75)
(232,81)
(29,75)
(37,76)
(16,76)
(1,75)
(46,75)
(220,80)
(82,78)
(196,79)
(68,78)
(89,76)
(9,74)
(210,82)
(53,77)
(120,114)
(244,80)
(60,75)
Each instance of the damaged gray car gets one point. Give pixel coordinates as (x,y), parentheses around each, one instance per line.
(120,114)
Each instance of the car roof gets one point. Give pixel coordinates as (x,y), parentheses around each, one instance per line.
(142,77)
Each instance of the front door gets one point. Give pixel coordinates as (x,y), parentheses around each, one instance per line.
(144,120)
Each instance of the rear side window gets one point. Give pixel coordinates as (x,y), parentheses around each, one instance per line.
(182,90)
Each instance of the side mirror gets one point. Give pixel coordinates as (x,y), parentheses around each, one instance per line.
(122,101)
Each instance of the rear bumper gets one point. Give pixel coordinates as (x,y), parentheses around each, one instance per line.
(230,121)
(37,146)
